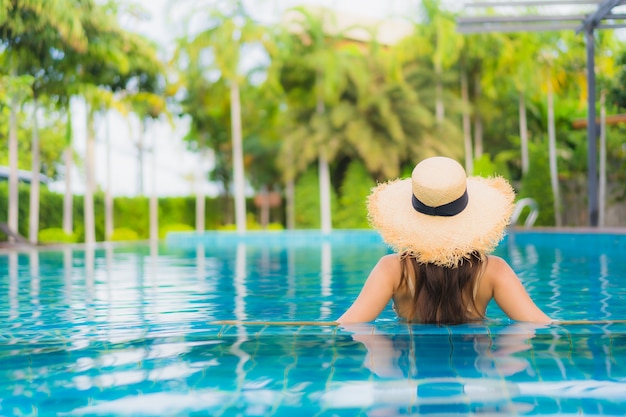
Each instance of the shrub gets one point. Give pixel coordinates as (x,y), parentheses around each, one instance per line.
(275,226)
(175,227)
(536,184)
(356,186)
(56,235)
(124,233)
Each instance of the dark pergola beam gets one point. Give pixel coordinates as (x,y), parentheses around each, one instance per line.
(539,27)
(592,131)
(530,18)
(492,19)
(612,26)
(515,27)
(603,10)
(587,24)
(531,3)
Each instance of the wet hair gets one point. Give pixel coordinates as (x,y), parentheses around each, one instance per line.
(442,295)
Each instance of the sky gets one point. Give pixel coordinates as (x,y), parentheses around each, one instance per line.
(178,172)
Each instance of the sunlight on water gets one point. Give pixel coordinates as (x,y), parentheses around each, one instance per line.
(133,330)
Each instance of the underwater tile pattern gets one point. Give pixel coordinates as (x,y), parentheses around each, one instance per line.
(229,326)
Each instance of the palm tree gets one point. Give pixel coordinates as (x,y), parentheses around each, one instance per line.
(207,103)
(477,66)
(427,59)
(439,33)
(382,117)
(68,158)
(149,107)
(114,61)
(319,55)
(551,59)
(28,28)
(17,88)
(518,62)
(225,38)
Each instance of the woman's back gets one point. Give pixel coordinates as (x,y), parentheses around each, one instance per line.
(495,280)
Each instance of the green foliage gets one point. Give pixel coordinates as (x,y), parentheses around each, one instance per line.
(307,196)
(123,234)
(617,89)
(536,184)
(251,224)
(351,212)
(176,227)
(307,204)
(132,212)
(177,212)
(50,207)
(275,226)
(51,145)
(484,167)
(56,235)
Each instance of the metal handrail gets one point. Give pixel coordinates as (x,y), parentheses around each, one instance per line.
(521,205)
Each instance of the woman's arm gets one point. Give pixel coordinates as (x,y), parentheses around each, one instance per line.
(511,295)
(377,291)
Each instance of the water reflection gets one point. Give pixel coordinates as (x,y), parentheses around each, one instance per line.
(241,289)
(493,350)
(35,283)
(94,327)
(13,287)
(501,370)
(326,281)
(385,369)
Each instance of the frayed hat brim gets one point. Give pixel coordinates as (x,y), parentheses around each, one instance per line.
(442,241)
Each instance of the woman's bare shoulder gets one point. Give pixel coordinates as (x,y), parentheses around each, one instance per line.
(390,267)
(494,269)
(391,260)
(496,265)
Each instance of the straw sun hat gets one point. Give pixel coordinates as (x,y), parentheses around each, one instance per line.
(439,215)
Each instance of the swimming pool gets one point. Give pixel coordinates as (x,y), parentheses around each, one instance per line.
(138,330)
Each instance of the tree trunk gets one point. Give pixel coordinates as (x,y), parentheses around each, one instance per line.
(265,207)
(523,132)
(478,121)
(154,204)
(439,107)
(68,198)
(326,222)
(140,156)
(602,167)
(238,174)
(200,198)
(554,176)
(108,198)
(90,224)
(33,224)
(291,204)
(324,180)
(13,174)
(467,134)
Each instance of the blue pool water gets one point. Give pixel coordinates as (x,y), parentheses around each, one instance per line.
(138,330)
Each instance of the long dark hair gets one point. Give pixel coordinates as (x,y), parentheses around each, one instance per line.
(442,295)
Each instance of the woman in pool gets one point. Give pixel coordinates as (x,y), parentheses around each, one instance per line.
(442,226)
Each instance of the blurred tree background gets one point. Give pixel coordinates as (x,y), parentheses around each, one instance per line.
(330,109)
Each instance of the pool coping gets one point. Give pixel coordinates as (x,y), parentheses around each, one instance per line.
(216,236)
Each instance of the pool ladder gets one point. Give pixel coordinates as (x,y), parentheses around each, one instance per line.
(521,205)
